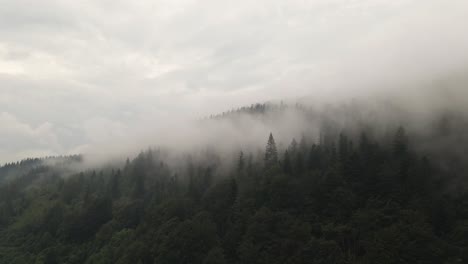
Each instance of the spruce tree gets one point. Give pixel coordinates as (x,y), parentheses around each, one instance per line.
(271,153)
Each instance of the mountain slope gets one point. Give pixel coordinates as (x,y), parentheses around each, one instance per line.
(360,193)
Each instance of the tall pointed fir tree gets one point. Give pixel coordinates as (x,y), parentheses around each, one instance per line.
(271,153)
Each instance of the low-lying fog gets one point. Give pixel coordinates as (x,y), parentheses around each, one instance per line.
(109,82)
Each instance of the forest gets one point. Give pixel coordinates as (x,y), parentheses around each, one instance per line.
(348,196)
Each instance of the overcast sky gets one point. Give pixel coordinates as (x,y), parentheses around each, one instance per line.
(74,73)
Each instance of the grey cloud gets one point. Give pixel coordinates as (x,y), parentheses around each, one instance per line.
(131,65)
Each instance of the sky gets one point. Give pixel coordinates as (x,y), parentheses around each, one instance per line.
(77,73)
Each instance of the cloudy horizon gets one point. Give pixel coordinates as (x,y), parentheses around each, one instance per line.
(76,73)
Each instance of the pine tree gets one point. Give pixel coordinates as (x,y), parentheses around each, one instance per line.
(271,153)
(293,147)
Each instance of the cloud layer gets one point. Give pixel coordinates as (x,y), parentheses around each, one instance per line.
(74,74)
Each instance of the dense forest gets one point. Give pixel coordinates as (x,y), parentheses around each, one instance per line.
(347,197)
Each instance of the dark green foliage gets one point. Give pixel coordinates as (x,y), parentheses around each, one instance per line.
(88,220)
(188,242)
(347,199)
(271,153)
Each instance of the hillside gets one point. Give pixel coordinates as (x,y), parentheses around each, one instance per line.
(352,195)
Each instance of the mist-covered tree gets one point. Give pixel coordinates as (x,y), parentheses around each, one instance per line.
(271,153)
(349,198)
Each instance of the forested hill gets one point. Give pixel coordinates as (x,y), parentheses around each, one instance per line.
(352,196)
(33,166)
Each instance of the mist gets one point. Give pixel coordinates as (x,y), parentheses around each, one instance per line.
(409,56)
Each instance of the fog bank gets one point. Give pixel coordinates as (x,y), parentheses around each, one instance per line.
(87,78)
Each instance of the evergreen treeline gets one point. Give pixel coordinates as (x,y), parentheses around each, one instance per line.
(257,109)
(345,199)
(13,169)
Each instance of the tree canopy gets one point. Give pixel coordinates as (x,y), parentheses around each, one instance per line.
(349,198)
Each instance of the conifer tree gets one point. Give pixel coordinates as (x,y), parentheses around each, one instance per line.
(293,146)
(271,153)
